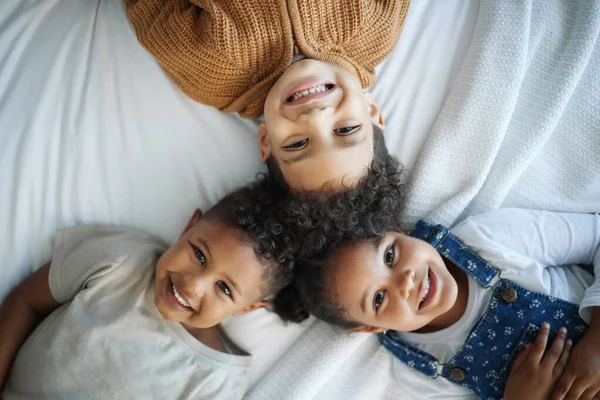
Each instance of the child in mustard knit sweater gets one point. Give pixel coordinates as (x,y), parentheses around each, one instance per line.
(303,64)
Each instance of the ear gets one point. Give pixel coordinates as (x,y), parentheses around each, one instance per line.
(376,117)
(367,329)
(254,306)
(264,143)
(193,221)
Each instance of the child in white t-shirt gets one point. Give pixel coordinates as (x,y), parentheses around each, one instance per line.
(122,315)
(460,306)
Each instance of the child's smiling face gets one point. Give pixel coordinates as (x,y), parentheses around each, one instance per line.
(319,126)
(208,275)
(398,282)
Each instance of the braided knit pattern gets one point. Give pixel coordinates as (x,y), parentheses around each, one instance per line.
(521,126)
(229,53)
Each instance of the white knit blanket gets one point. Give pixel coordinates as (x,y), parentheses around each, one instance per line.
(520,128)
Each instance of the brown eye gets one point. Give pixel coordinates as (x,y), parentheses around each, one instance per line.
(378,299)
(300,144)
(347,130)
(224,288)
(389,256)
(199,254)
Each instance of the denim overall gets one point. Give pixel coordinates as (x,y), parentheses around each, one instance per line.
(511,320)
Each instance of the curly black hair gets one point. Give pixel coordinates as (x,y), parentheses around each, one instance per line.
(325,221)
(253,212)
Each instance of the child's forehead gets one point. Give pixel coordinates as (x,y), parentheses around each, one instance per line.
(364,248)
(232,239)
(214,226)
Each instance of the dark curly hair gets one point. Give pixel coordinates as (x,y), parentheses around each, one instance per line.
(253,212)
(323,222)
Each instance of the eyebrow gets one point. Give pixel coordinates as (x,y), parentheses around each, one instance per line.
(344,145)
(363,304)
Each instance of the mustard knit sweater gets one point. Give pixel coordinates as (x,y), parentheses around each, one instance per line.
(229,53)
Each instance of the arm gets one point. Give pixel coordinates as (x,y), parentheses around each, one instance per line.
(589,305)
(548,238)
(535,240)
(20,312)
(516,240)
(186,38)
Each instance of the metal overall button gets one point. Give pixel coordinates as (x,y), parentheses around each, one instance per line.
(458,374)
(508,294)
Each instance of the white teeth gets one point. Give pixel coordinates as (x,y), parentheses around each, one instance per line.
(312,90)
(427,285)
(179,298)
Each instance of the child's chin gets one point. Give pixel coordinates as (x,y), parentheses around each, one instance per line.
(166,312)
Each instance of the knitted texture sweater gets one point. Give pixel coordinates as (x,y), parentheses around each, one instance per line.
(229,53)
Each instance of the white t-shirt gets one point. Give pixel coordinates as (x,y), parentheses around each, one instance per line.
(108,340)
(535,249)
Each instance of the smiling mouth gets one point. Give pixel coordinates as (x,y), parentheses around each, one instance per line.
(427,285)
(176,298)
(179,298)
(430,288)
(309,93)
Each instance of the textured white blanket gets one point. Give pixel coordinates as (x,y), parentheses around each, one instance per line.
(520,128)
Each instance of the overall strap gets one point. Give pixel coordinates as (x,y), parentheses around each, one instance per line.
(456,251)
(409,354)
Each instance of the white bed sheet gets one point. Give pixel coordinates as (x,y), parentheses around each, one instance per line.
(91,130)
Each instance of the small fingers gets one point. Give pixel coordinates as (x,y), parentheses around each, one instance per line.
(577,389)
(539,346)
(560,366)
(551,358)
(563,386)
(590,393)
(520,358)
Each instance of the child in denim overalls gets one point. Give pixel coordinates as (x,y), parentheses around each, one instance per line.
(457,313)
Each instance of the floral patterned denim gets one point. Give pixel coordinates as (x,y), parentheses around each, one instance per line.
(511,320)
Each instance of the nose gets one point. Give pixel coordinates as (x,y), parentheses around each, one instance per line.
(198,283)
(405,280)
(318,121)
(315,113)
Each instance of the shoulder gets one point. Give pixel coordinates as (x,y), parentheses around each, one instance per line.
(354,34)
(506,237)
(117,237)
(86,255)
(108,244)
(503,225)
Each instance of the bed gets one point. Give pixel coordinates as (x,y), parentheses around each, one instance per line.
(92,130)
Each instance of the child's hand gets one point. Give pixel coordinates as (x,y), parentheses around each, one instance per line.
(533,375)
(581,378)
